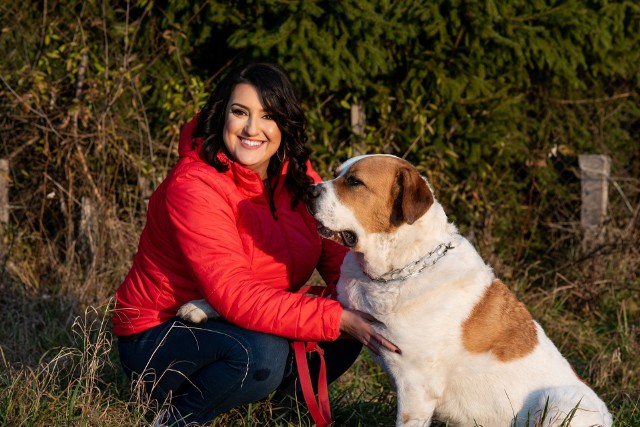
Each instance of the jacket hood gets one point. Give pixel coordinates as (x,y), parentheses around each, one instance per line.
(189,147)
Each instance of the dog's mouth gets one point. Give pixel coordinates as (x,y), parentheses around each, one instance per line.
(345,237)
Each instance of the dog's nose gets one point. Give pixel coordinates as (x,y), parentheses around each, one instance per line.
(314,191)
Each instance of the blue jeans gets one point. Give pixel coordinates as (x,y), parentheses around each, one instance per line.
(208,368)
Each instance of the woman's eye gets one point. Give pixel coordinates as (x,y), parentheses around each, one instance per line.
(238,112)
(267,117)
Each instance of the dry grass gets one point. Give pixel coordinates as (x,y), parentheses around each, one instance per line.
(59,368)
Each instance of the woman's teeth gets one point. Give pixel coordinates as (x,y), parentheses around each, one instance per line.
(250,143)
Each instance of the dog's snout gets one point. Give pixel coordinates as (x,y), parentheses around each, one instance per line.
(312,198)
(314,191)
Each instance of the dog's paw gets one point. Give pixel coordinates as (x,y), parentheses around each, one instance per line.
(408,421)
(197,311)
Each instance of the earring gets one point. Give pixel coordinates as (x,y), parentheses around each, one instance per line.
(284,155)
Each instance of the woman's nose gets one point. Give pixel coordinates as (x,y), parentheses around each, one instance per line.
(251,126)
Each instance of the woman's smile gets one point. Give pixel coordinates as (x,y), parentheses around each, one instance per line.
(251,144)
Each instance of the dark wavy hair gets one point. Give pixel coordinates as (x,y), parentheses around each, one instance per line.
(279,100)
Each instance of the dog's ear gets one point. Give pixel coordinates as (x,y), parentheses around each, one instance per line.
(414,198)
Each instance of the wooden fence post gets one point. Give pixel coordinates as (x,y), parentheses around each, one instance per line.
(595,170)
(4,191)
(358,122)
(87,232)
(4,207)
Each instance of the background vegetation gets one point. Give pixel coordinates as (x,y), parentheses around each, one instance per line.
(492,100)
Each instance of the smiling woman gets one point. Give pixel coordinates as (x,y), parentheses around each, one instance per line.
(227,227)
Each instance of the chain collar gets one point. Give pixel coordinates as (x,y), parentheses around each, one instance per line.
(415,267)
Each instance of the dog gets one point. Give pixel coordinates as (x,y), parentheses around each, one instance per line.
(471,353)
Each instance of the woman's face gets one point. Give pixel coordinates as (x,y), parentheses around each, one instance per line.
(250,134)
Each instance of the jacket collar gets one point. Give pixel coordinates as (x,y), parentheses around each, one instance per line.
(248,180)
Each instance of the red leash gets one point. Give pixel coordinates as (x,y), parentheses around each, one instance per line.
(320,409)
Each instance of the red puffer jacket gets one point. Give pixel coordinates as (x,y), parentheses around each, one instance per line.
(212,235)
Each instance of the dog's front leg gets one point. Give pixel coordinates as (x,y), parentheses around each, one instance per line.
(415,407)
(197,311)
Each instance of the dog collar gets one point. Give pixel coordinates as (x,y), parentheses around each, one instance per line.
(416,267)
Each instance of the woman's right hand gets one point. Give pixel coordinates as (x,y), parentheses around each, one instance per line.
(359,326)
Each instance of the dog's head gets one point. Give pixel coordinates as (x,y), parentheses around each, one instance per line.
(370,195)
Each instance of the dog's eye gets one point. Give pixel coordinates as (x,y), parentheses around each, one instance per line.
(349,238)
(352,181)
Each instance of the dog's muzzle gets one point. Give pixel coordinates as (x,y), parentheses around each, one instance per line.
(313,196)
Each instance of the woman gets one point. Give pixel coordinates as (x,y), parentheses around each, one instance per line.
(228,225)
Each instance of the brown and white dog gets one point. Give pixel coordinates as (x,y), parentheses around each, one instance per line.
(471,352)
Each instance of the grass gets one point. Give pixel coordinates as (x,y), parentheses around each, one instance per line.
(60,369)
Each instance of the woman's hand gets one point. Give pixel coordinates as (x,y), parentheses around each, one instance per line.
(359,326)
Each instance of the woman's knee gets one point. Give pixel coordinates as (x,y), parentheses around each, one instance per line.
(269,357)
(262,357)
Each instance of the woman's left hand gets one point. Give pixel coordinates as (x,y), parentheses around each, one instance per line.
(360,326)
